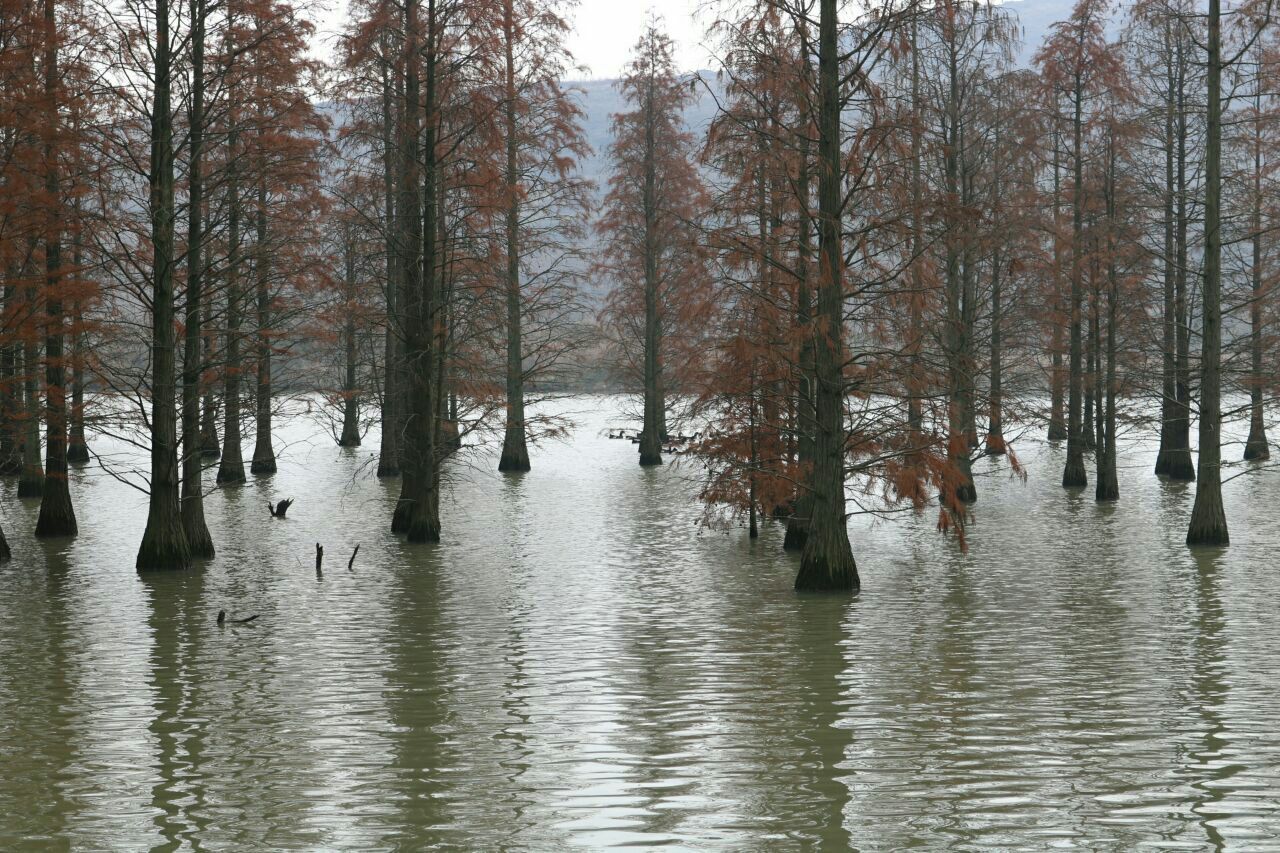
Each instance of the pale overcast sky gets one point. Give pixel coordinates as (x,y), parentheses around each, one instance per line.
(604,32)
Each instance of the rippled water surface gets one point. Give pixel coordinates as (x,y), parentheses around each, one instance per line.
(577,664)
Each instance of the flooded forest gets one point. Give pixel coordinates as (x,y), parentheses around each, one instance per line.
(862,442)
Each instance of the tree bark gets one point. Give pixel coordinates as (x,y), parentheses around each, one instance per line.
(164,546)
(57,515)
(199,542)
(653,426)
(1073,473)
(515,451)
(1208,518)
(827,563)
(1256,448)
(264,455)
(231,467)
(350,395)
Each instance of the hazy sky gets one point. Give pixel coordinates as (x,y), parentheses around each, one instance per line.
(604,32)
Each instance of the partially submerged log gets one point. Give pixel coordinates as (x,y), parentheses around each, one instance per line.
(222,618)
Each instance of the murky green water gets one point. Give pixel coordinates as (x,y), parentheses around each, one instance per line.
(577,665)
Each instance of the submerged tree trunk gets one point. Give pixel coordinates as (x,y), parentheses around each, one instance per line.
(1057,414)
(164,545)
(1179,464)
(1108,485)
(1256,448)
(515,451)
(231,467)
(350,395)
(1073,473)
(57,515)
(1208,518)
(392,366)
(1168,348)
(419,507)
(827,563)
(653,426)
(199,542)
(995,430)
(264,455)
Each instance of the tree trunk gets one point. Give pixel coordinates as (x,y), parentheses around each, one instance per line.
(515,451)
(1208,518)
(1169,388)
(1057,417)
(420,503)
(164,546)
(1256,448)
(350,395)
(199,542)
(57,515)
(1108,485)
(264,455)
(1180,465)
(231,467)
(392,365)
(995,430)
(1073,473)
(651,430)
(827,563)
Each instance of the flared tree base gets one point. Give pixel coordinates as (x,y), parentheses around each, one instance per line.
(515,454)
(401,516)
(199,542)
(1256,448)
(265,465)
(995,444)
(827,565)
(230,472)
(57,515)
(164,548)
(352,440)
(1074,475)
(387,469)
(648,460)
(1208,519)
(797,534)
(10,464)
(1176,465)
(211,452)
(31,485)
(1108,489)
(78,453)
(1057,431)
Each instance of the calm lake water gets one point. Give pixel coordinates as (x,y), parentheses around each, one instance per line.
(577,664)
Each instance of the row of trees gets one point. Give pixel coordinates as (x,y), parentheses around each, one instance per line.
(893,251)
